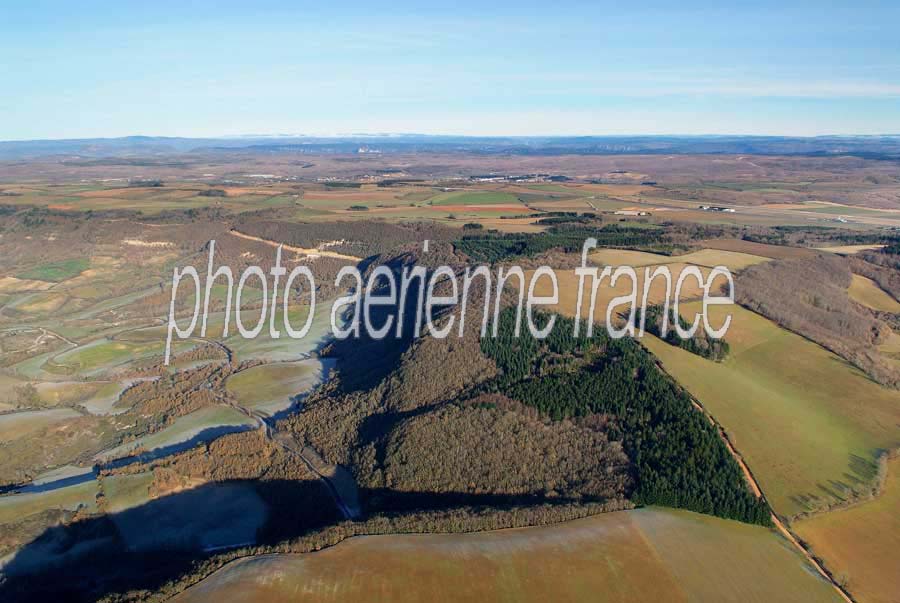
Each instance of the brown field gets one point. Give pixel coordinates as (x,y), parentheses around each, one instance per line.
(860,544)
(644,555)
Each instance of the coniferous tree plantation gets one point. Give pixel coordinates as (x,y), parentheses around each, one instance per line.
(699,344)
(679,459)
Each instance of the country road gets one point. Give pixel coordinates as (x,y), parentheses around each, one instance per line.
(337,479)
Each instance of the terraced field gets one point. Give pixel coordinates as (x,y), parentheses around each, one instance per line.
(644,555)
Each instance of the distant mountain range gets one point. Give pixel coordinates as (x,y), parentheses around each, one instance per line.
(875,147)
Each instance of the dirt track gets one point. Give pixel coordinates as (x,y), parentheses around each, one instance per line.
(302,250)
(779,525)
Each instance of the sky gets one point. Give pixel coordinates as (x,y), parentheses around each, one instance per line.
(106,69)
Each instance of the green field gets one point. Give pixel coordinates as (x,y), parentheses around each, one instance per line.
(126,491)
(265,347)
(808,424)
(481,198)
(269,388)
(16,507)
(644,555)
(103,355)
(182,430)
(55,272)
(19,424)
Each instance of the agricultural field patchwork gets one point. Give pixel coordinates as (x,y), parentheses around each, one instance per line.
(253,446)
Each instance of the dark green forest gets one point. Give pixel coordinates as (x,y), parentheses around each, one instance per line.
(679,459)
(569,237)
(700,344)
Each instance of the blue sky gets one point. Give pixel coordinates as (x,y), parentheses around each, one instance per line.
(87,68)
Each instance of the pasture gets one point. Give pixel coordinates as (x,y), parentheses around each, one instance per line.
(808,424)
(283,348)
(55,272)
(23,423)
(16,507)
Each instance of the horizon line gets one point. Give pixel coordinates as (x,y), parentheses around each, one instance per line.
(352,135)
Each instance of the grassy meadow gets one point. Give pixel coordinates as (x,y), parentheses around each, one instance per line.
(808,424)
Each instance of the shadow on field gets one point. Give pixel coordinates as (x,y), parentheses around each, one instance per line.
(859,480)
(146,547)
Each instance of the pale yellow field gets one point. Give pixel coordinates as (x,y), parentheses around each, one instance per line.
(711,258)
(645,555)
(11,284)
(568,290)
(861,544)
(849,249)
(867,292)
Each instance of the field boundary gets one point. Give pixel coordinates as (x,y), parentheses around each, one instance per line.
(780,526)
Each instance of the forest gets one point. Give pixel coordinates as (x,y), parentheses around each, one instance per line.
(679,459)
(567,237)
(700,344)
